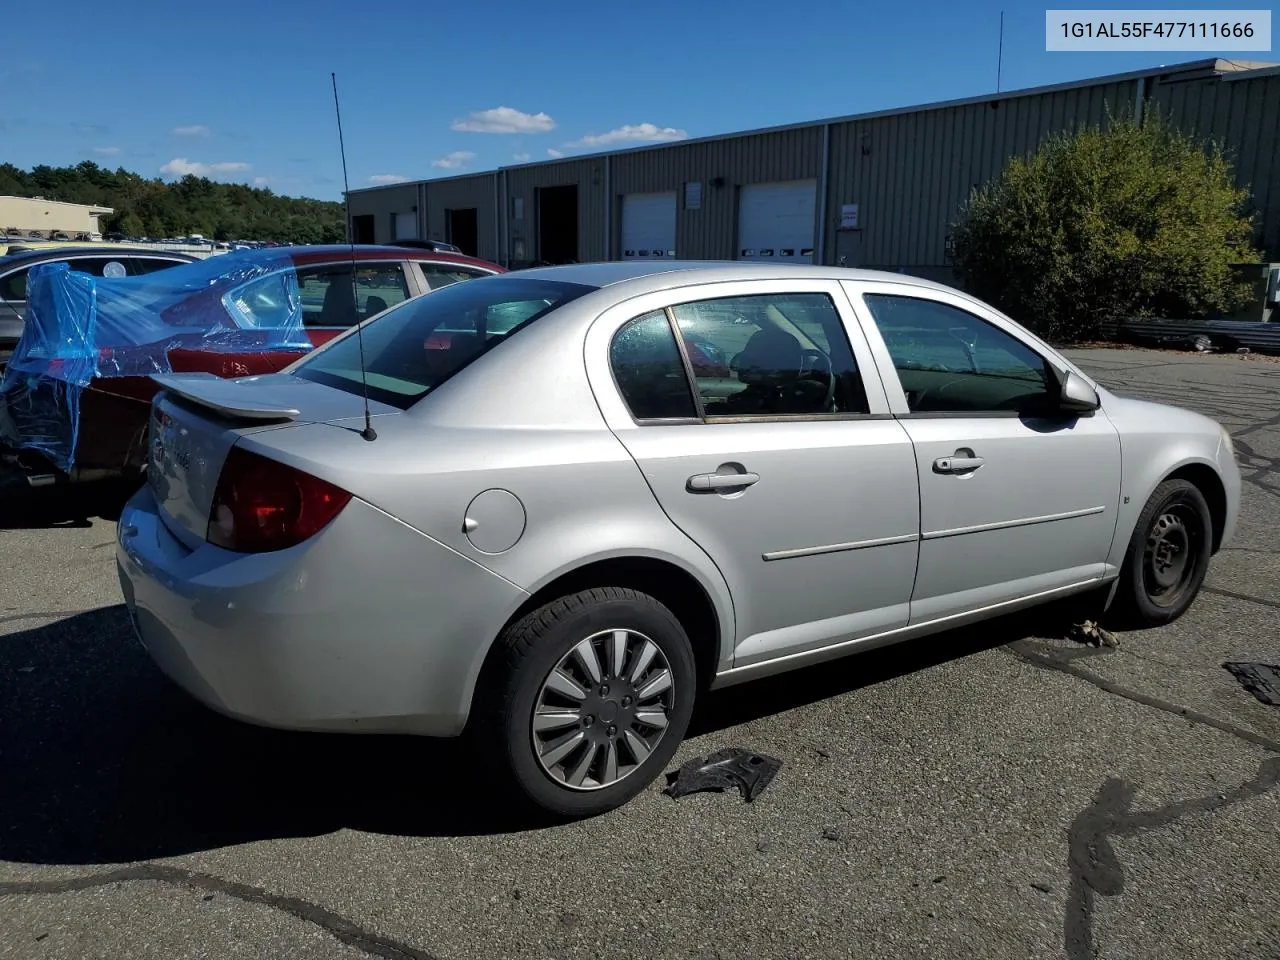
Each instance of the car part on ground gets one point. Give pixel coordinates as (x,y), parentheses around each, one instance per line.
(599,490)
(1260,679)
(732,768)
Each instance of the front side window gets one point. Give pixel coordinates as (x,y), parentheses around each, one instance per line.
(142,265)
(418,345)
(950,361)
(13,286)
(329,300)
(771,355)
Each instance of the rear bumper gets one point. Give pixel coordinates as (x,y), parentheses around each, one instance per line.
(368,627)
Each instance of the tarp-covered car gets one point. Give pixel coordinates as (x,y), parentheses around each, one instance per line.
(75,396)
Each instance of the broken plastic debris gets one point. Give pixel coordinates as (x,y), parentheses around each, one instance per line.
(1260,679)
(733,767)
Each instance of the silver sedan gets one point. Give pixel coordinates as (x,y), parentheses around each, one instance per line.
(547,509)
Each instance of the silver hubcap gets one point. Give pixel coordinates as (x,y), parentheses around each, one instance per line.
(602,710)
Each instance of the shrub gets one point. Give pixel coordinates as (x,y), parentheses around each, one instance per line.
(1105,224)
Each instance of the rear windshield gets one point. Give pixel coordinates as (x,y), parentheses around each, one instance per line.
(413,348)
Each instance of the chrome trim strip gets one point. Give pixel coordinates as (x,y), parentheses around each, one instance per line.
(834,651)
(837,547)
(1006,524)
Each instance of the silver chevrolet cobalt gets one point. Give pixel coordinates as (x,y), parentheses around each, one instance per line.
(585,494)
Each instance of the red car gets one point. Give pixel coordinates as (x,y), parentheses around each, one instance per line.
(106,440)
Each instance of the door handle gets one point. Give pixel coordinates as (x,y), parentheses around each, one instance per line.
(702,482)
(957,464)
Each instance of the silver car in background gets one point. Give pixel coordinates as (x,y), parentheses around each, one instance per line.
(598,490)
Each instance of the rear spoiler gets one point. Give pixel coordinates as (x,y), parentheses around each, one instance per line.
(230,398)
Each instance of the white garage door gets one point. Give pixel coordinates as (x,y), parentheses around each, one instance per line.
(406,226)
(648,225)
(776,221)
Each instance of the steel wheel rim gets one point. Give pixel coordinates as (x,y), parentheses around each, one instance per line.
(1171,554)
(602,710)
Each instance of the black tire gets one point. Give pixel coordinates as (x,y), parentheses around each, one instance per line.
(524,658)
(1177,515)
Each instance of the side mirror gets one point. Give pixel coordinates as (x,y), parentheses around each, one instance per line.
(1077,396)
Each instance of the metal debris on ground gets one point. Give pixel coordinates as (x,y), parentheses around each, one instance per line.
(1260,679)
(1096,636)
(733,767)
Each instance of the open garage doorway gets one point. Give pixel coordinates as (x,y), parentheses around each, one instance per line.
(558,224)
(462,229)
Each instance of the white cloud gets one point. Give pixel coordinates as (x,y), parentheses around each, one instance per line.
(197,130)
(520,157)
(261,181)
(454,160)
(181,166)
(382,179)
(553,152)
(107,151)
(632,133)
(504,120)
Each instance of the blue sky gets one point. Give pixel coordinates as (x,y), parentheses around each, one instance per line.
(240,90)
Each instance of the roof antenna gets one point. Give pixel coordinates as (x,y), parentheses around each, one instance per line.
(368,432)
(1000,53)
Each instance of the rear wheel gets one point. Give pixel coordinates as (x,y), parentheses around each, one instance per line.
(588,699)
(1168,555)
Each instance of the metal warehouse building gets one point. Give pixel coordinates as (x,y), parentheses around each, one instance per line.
(877,190)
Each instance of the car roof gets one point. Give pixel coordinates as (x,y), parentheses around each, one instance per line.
(46,254)
(643,275)
(321,252)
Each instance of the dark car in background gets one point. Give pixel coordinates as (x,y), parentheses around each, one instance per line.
(97,260)
(222,323)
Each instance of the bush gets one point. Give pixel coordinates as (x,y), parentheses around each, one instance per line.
(1106,224)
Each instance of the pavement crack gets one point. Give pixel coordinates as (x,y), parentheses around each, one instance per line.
(1218,591)
(336,926)
(1027,653)
(1095,869)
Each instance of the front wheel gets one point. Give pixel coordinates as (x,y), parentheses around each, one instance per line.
(588,699)
(1168,555)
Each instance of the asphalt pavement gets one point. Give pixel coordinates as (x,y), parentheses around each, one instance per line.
(1002,791)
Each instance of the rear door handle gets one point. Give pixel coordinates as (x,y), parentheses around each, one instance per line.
(721,481)
(957,464)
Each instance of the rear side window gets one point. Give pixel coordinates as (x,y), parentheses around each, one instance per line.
(442,274)
(413,348)
(649,371)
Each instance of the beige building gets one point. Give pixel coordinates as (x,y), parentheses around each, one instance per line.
(875,190)
(47,217)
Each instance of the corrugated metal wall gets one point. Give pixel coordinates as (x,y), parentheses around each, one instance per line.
(910,173)
(523,182)
(461,193)
(1242,113)
(709,232)
(383,203)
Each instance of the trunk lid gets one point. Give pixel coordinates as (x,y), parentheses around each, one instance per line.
(197,418)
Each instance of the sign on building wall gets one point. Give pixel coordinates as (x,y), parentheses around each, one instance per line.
(849,216)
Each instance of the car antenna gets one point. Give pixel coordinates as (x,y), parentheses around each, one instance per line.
(368,432)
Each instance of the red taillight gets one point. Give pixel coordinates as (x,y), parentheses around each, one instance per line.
(261,504)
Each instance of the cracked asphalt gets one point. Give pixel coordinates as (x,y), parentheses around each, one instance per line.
(1002,791)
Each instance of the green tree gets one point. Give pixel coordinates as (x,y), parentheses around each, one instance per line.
(227,211)
(1131,219)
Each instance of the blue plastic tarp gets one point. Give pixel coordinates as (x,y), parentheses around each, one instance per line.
(79,328)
